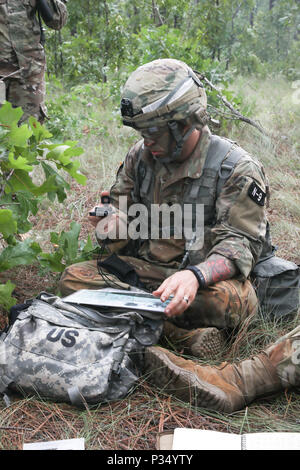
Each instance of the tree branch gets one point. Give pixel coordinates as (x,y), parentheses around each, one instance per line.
(236,113)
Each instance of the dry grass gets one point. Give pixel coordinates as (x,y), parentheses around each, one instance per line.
(133,423)
(127,424)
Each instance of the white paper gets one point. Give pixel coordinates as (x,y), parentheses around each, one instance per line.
(272,441)
(198,439)
(126,300)
(65,444)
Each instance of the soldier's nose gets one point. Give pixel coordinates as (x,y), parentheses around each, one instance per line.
(149,142)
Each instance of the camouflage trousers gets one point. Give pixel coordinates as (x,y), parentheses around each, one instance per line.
(286,356)
(27,90)
(223,305)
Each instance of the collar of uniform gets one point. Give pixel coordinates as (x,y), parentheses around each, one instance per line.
(192,166)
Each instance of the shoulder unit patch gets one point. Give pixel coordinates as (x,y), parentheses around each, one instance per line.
(256,194)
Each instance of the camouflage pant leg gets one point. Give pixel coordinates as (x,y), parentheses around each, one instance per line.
(85,275)
(285,355)
(223,305)
(28,93)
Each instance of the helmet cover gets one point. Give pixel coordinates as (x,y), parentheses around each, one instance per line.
(161,91)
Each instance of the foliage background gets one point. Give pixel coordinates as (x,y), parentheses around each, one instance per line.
(104,40)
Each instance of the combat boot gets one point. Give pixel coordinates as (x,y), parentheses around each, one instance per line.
(228,387)
(203,343)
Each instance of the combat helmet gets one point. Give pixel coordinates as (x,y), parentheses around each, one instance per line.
(165,92)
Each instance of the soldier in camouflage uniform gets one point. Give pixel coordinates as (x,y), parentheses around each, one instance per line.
(22,56)
(212,293)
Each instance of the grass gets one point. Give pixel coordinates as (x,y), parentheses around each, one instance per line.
(134,422)
(278,113)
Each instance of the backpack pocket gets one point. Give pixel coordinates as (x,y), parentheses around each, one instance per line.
(277,284)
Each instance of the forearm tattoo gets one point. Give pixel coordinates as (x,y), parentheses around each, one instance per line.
(217,268)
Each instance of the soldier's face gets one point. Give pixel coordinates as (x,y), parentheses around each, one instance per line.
(159,140)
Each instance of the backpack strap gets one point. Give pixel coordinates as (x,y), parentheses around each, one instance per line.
(144,190)
(227,167)
(221,159)
(75,396)
(135,193)
(5,380)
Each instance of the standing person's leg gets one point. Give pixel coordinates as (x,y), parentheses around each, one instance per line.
(28,91)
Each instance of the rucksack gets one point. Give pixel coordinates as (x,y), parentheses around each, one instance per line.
(73,353)
(277,285)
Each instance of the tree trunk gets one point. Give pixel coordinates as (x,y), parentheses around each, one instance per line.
(106,47)
(156,14)
(61,58)
(252,18)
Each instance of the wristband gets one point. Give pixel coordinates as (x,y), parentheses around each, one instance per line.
(199,276)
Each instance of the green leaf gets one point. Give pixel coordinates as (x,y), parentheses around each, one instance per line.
(52,261)
(19,135)
(54,238)
(61,183)
(58,153)
(68,241)
(38,130)
(19,163)
(67,249)
(21,181)
(88,246)
(21,203)
(8,226)
(10,115)
(27,203)
(48,186)
(72,170)
(31,156)
(62,154)
(22,253)
(5,295)
(3,132)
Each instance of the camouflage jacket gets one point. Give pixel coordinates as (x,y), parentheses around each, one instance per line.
(20,33)
(240,227)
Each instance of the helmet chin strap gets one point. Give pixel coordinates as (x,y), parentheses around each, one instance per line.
(179,139)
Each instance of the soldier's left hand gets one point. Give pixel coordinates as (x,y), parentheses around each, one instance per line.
(183,285)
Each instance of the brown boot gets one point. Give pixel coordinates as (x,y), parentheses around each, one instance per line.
(203,343)
(228,387)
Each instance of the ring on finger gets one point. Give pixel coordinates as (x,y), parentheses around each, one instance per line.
(186,299)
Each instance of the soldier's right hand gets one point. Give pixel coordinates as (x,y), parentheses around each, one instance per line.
(105,204)
(92,218)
